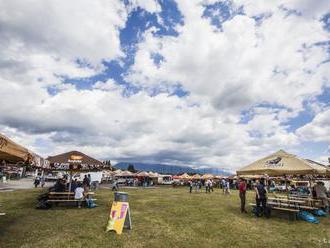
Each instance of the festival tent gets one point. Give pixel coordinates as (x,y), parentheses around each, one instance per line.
(207,176)
(143,174)
(177,177)
(153,174)
(74,161)
(281,163)
(196,176)
(12,152)
(125,174)
(117,172)
(185,176)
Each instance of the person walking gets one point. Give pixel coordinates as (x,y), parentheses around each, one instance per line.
(242,194)
(261,197)
(190,186)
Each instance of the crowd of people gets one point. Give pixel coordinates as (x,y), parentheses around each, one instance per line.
(209,185)
(261,189)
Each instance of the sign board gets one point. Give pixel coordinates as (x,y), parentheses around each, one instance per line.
(119,218)
(274,162)
(75,166)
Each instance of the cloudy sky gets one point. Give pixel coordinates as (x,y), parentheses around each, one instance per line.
(199,83)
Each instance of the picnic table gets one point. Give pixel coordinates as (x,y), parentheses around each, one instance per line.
(310,201)
(288,205)
(65,197)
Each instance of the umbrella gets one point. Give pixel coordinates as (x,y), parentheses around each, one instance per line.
(281,163)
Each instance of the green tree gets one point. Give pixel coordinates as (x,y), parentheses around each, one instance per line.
(131,168)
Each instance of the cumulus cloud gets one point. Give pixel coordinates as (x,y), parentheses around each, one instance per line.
(268,68)
(318,129)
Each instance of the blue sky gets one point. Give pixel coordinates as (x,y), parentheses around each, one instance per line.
(199,77)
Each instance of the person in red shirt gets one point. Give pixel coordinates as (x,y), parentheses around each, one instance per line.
(242,194)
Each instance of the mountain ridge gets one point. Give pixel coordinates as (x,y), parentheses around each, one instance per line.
(171,169)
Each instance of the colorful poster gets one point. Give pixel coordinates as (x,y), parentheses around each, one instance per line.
(118,215)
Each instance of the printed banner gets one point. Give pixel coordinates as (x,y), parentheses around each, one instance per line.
(118,215)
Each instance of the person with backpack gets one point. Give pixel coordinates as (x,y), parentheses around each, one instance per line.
(261,197)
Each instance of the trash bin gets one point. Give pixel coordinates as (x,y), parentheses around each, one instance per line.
(121,197)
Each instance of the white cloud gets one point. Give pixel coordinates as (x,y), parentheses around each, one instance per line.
(151,6)
(244,65)
(318,129)
(225,73)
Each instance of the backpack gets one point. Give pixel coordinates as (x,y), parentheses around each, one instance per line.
(90,203)
(304,215)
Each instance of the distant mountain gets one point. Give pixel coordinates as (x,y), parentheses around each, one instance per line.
(170,169)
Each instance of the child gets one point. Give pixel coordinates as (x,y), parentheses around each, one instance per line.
(79,194)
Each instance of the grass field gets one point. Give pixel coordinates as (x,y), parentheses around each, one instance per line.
(163,217)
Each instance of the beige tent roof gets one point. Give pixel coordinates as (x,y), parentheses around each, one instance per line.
(196,176)
(282,163)
(12,152)
(125,174)
(143,174)
(207,176)
(154,174)
(185,176)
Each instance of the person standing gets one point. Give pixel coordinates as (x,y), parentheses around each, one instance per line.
(207,186)
(223,185)
(211,185)
(242,194)
(190,186)
(42,181)
(79,194)
(321,193)
(36,181)
(261,197)
(86,182)
(227,187)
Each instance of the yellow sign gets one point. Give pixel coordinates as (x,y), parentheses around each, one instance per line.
(119,216)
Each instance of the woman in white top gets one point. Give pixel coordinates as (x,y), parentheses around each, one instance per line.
(79,194)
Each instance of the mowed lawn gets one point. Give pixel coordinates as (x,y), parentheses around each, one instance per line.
(162,217)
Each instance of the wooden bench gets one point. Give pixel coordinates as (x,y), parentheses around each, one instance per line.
(64,197)
(291,211)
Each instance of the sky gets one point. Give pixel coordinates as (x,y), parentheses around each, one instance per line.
(186,82)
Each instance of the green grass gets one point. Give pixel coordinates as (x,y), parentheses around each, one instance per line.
(163,217)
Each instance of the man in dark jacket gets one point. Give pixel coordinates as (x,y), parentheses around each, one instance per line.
(261,196)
